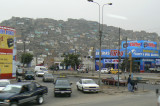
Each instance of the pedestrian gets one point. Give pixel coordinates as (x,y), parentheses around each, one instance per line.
(130,88)
(19,80)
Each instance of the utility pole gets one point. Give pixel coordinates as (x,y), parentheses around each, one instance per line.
(24,51)
(119,57)
(93,54)
(130,58)
(75,63)
(126,58)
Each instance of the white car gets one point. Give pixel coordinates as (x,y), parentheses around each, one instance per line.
(40,73)
(104,70)
(87,85)
(3,83)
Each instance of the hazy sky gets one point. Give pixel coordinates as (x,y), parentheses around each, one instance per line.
(134,15)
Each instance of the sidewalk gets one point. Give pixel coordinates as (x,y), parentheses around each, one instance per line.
(144,76)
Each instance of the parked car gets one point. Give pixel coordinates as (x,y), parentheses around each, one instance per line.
(114,81)
(19,71)
(4,83)
(40,68)
(62,86)
(48,77)
(29,75)
(87,85)
(22,92)
(154,70)
(83,70)
(115,71)
(104,70)
(40,73)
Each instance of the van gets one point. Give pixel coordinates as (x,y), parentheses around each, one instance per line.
(40,68)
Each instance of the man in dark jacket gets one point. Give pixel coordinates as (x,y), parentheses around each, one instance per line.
(130,88)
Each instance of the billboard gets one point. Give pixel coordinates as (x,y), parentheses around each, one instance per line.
(139,44)
(136,53)
(7,35)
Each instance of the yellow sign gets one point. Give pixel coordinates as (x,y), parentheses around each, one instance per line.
(6,63)
(6,37)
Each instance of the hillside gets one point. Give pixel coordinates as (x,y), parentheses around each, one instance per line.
(45,35)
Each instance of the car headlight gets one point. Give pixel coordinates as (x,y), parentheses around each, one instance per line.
(68,88)
(85,87)
(56,89)
(7,101)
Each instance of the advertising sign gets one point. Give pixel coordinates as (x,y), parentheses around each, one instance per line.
(139,44)
(157,62)
(132,44)
(111,61)
(136,53)
(7,35)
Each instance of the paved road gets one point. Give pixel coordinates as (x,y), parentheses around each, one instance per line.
(95,99)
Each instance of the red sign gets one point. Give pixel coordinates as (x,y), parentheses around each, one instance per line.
(135,44)
(151,45)
(116,53)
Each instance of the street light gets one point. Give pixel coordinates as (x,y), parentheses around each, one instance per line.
(100,34)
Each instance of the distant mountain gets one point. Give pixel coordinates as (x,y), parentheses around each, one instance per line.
(46,35)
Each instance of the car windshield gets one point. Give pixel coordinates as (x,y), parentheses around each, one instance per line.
(48,75)
(116,78)
(44,69)
(88,82)
(19,70)
(29,72)
(3,84)
(62,83)
(12,88)
(40,71)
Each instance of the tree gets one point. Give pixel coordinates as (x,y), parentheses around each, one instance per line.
(72,60)
(135,66)
(26,58)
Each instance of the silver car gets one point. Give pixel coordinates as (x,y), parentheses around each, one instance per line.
(4,83)
(48,77)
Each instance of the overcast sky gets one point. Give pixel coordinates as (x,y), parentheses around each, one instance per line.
(134,15)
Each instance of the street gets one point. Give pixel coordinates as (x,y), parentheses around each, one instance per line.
(79,98)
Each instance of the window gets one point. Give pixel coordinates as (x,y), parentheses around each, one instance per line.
(32,86)
(80,81)
(24,89)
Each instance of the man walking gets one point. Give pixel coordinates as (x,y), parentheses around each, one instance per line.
(129,84)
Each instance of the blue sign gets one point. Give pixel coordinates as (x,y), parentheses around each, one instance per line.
(139,44)
(140,53)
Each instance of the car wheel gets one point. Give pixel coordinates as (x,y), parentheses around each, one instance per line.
(55,95)
(43,80)
(82,89)
(69,95)
(14,104)
(78,88)
(40,99)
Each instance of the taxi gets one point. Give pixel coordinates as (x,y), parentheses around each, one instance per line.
(115,71)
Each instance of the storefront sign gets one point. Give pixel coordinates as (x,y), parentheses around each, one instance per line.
(147,59)
(157,61)
(139,44)
(112,61)
(116,53)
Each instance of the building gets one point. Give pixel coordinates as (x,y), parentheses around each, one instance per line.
(145,54)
